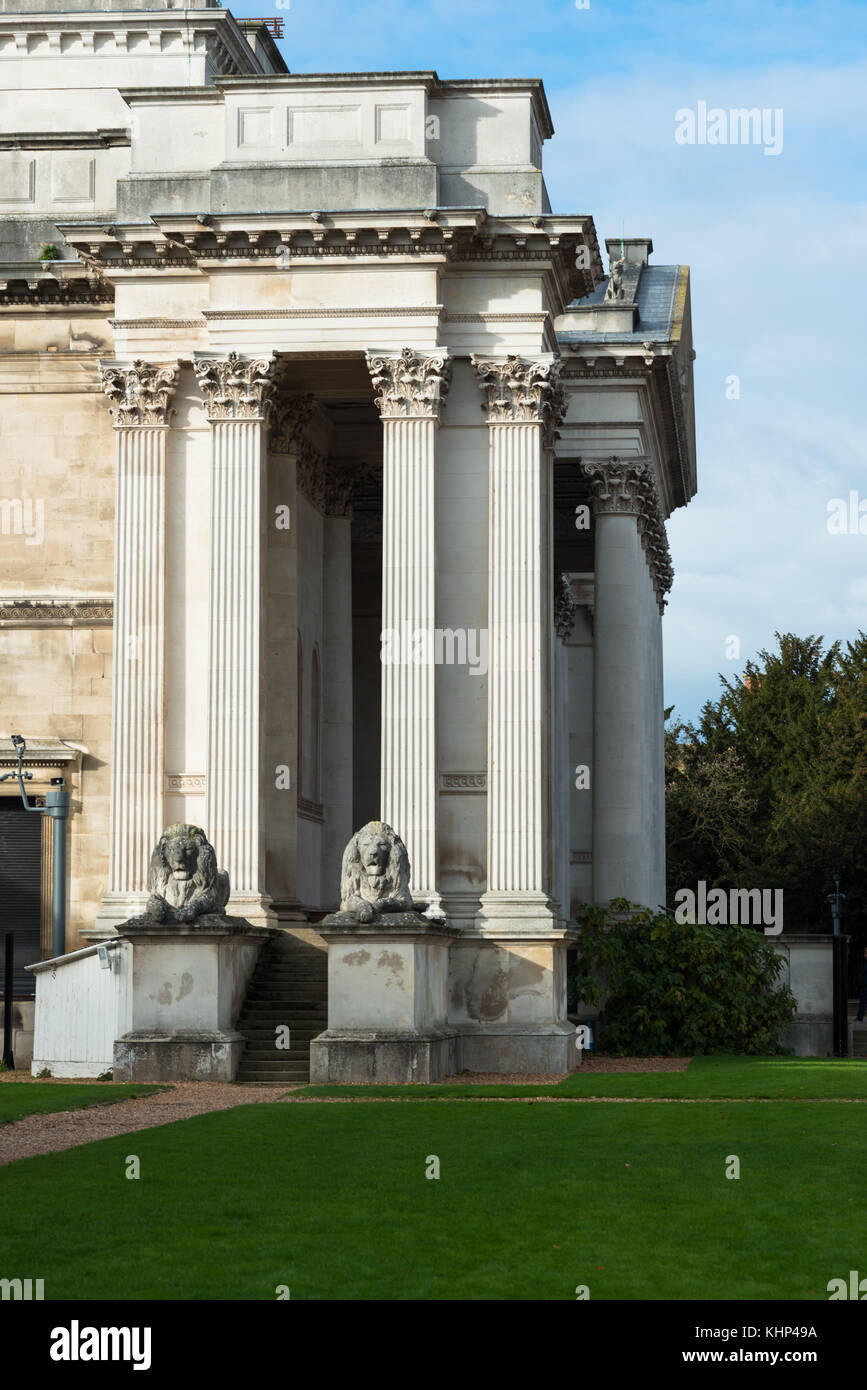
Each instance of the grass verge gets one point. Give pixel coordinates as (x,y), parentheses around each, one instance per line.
(20,1098)
(706,1078)
(531,1202)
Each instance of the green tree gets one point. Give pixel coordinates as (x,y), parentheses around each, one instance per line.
(770,788)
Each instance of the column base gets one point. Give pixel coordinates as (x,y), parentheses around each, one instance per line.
(377,1056)
(255,908)
(186,1055)
(115,910)
(502,914)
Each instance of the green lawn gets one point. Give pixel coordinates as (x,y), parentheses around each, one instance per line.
(20,1098)
(706,1078)
(533,1200)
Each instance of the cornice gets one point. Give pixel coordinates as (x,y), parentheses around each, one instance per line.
(453,236)
(50,284)
(350,311)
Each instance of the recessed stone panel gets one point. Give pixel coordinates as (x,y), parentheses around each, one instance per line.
(254,126)
(17,177)
(72,178)
(323,125)
(392,125)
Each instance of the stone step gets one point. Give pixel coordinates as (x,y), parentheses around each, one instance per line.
(265,1042)
(254,1079)
(296,989)
(267,1064)
(264,1022)
(271,1008)
(278,1009)
(308,1029)
(290,972)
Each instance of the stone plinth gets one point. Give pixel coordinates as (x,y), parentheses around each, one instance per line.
(387,997)
(188,985)
(810,976)
(507,999)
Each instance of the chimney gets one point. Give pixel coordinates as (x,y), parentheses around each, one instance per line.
(636,249)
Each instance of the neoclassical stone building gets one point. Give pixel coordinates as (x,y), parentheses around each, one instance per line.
(335,472)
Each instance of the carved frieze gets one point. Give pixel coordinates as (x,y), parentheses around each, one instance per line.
(289,423)
(565,608)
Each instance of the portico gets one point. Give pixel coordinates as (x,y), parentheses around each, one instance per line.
(372,406)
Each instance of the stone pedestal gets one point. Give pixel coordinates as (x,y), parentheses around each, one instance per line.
(387,1001)
(507,999)
(188,985)
(810,976)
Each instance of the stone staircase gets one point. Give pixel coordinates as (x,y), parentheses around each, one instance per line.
(289,986)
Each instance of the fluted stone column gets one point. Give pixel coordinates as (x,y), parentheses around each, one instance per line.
(631,563)
(410,389)
(337,686)
(237,396)
(523,403)
(139,395)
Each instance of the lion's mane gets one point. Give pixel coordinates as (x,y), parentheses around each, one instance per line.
(206,891)
(353,877)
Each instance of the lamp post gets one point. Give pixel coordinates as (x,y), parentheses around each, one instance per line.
(57,807)
(841,999)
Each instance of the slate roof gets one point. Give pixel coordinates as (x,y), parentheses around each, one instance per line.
(657,289)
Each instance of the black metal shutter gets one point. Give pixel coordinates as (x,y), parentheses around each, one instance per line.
(20,889)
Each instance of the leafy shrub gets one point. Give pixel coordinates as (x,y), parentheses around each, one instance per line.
(682,988)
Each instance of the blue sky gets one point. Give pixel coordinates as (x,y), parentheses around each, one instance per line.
(777,247)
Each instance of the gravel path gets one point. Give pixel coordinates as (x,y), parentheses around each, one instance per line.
(66,1129)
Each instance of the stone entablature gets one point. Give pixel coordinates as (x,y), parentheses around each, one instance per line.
(210,37)
(208,242)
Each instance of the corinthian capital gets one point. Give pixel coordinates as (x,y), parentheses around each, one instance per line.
(521,392)
(618,485)
(289,424)
(234,387)
(409,385)
(139,394)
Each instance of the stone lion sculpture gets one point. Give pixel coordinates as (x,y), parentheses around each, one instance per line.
(183,879)
(375,874)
